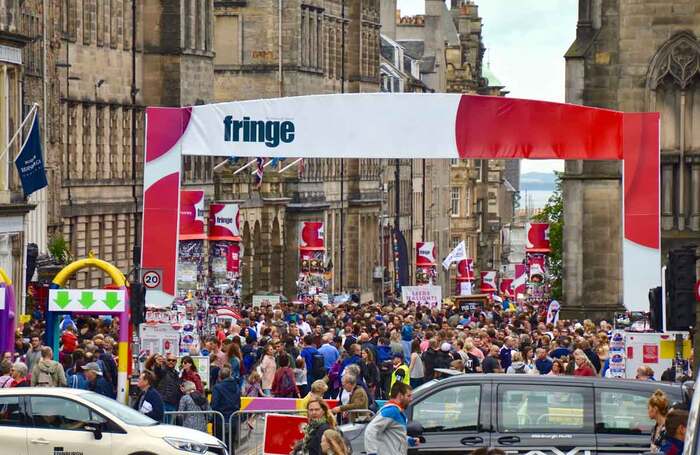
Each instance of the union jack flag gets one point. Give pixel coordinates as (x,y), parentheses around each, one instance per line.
(260,164)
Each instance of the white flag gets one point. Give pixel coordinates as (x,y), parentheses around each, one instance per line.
(456,255)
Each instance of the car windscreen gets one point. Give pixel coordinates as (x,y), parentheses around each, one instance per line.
(123,413)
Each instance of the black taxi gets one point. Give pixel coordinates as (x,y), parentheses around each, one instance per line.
(530,415)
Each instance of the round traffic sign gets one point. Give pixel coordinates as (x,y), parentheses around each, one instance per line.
(151,279)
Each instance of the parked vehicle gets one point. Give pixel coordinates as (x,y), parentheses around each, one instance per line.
(43,421)
(530,414)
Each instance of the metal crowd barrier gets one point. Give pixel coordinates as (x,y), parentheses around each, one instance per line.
(248,440)
(217,416)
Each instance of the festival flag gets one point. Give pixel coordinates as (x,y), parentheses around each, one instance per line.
(456,255)
(402,252)
(259,172)
(519,284)
(30,162)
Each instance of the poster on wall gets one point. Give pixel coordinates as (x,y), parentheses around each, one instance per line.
(159,338)
(427,295)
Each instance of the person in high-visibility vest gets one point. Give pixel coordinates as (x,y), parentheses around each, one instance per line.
(400,373)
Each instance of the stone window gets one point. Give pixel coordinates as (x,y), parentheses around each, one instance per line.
(117,25)
(227,38)
(69,19)
(101,151)
(455,200)
(673,88)
(89,21)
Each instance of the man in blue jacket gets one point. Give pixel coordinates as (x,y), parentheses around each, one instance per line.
(226,398)
(150,403)
(308,353)
(96,381)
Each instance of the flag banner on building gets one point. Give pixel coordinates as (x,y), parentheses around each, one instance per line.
(428,295)
(488,281)
(520,281)
(506,287)
(312,260)
(459,253)
(191,262)
(537,235)
(426,269)
(224,252)
(30,161)
(402,258)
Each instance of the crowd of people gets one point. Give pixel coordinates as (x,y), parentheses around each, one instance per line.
(355,354)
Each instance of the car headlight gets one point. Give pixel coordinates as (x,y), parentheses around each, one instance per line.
(187,445)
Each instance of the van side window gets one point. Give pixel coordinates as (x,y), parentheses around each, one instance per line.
(10,412)
(61,414)
(622,412)
(550,409)
(452,409)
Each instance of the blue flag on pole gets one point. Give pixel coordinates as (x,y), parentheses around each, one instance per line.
(30,163)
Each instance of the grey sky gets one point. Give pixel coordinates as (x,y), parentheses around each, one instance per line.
(526,41)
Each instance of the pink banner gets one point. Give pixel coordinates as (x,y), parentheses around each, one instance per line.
(192,215)
(537,238)
(520,281)
(425,253)
(311,237)
(488,281)
(465,270)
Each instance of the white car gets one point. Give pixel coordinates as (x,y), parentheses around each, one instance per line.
(50,421)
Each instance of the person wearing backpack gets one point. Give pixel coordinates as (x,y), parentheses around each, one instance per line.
(48,372)
(308,353)
(284,385)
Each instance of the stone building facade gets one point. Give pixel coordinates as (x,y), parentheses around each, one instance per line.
(16,32)
(635,57)
(262,52)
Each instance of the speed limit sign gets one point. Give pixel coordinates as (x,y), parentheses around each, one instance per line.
(152,279)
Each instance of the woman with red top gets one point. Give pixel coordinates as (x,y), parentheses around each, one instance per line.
(584,367)
(189,373)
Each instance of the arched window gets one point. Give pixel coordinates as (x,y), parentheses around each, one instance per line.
(673,89)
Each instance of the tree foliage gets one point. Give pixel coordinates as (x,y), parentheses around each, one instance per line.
(553,213)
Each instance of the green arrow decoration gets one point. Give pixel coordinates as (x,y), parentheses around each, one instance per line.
(111,300)
(62,299)
(86,299)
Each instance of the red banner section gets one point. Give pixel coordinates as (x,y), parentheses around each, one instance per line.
(312,237)
(465,270)
(520,281)
(537,238)
(506,287)
(488,281)
(224,222)
(192,215)
(425,253)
